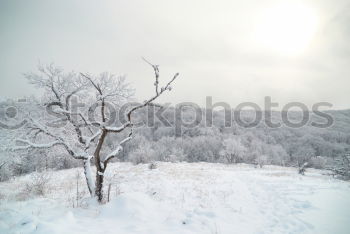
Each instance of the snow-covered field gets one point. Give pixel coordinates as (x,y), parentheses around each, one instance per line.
(183,198)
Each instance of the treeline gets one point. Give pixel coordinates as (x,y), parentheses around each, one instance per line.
(285,146)
(221,142)
(259,145)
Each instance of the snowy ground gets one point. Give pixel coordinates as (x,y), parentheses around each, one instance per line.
(184,198)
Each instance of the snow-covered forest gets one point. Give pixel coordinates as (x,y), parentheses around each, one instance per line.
(160,140)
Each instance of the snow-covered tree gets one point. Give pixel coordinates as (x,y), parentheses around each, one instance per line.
(342,167)
(143,153)
(82,133)
(303,155)
(261,160)
(234,150)
(169,149)
(202,148)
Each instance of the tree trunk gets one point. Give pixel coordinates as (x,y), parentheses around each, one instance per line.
(99,186)
(88,176)
(109,192)
(99,168)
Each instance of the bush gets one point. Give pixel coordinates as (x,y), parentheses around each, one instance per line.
(39,184)
(143,153)
(152,166)
(318,162)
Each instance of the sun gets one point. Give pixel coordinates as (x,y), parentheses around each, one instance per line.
(287,28)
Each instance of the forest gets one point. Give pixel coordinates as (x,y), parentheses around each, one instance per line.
(182,132)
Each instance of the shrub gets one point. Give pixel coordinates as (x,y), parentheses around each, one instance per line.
(38,184)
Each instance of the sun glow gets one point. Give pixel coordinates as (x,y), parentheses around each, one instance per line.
(287,28)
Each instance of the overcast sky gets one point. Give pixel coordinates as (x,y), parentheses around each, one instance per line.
(210,43)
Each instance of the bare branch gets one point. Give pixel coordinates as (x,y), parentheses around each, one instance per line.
(149,101)
(58,141)
(115,152)
(2,164)
(91,139)
(156,73)
(69,96)
(117,129)
(97,87)
(29,144)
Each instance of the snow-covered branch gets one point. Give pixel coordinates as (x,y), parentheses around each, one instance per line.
(91,139)
(117,129)
(157,94)
(57,141)
(115,152)
(28,144)
(2,164)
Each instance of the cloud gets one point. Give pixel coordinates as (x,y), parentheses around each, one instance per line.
(208,42)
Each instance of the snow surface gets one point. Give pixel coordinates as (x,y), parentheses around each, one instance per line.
(184,198)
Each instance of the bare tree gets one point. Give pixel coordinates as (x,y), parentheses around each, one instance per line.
(302,168)
(81,137)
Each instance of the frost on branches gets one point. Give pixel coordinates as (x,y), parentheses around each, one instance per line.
(61,126)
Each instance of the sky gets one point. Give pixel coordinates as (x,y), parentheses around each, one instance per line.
(234,51)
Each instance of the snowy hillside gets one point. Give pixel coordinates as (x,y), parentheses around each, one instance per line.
(182,198)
